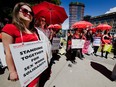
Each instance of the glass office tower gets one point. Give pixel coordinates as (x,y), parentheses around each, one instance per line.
(76,12)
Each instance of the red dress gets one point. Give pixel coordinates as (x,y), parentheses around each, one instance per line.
(13,31)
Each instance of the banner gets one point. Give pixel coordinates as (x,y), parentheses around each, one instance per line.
(55,43)
(77,43)
(30,60)
(97,41)
(2,56)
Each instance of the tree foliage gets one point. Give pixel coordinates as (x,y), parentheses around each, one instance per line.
(6,6)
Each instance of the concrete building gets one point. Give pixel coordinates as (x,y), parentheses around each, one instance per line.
(76,12)
(109,18)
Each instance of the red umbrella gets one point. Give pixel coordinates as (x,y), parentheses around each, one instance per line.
(82,24)
(51,26)
(57,26)
(93,29)
(104,27)
(54,14)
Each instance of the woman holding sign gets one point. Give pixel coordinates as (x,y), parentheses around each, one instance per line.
(106,40)
(78,35)
(97,41)
(21,30)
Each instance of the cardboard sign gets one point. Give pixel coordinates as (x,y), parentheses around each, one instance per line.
(97,41)
(47,43)
(55,43)
(30,60)
(77,43)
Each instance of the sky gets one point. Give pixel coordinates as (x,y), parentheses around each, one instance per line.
(92,7)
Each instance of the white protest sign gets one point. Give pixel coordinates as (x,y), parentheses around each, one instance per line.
(2,55)
(77,43)
(97,41)
(47,43)
(30,60)
(55,43)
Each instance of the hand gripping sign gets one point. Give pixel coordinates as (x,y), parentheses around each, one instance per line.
(30,60)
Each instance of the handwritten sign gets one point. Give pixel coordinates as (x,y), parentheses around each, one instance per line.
(97,41)
(77,43)
(55,43)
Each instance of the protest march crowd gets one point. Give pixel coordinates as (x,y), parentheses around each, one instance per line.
(27,37)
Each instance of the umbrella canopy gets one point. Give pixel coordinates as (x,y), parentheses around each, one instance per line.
(104,27)
(93,30)
(57,26)
(54,14)
(51,26)
(81,24)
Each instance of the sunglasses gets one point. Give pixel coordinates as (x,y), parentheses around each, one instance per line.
(26,12)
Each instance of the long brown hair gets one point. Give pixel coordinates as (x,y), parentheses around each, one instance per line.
(16,19)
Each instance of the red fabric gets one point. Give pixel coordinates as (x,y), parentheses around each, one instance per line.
(54,14)
(104,27)
(81,24)
(34,82)
(0,36)
(69,42)
(106,41)
(13,31)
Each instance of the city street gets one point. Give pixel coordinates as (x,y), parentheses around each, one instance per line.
(91,72)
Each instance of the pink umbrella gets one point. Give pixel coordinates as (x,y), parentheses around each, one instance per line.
(104,27)
(81,24)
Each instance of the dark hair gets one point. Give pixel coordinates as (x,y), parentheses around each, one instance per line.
(16,19)
(105,32)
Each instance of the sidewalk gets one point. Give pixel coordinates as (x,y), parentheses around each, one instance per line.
(90,72)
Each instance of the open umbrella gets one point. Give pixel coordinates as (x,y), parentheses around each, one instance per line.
(51,26)
(57,26)
(93,29)
(81,24)
(104,27)
(54,14)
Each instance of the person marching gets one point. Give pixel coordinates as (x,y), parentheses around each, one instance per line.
(106,39)
(98,36)
(77,52)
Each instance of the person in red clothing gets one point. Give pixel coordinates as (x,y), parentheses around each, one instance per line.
(21,30)
(98,35)
(106,39)
(78,34)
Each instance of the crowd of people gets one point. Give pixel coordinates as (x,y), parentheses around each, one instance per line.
(25,28)
(103,38)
